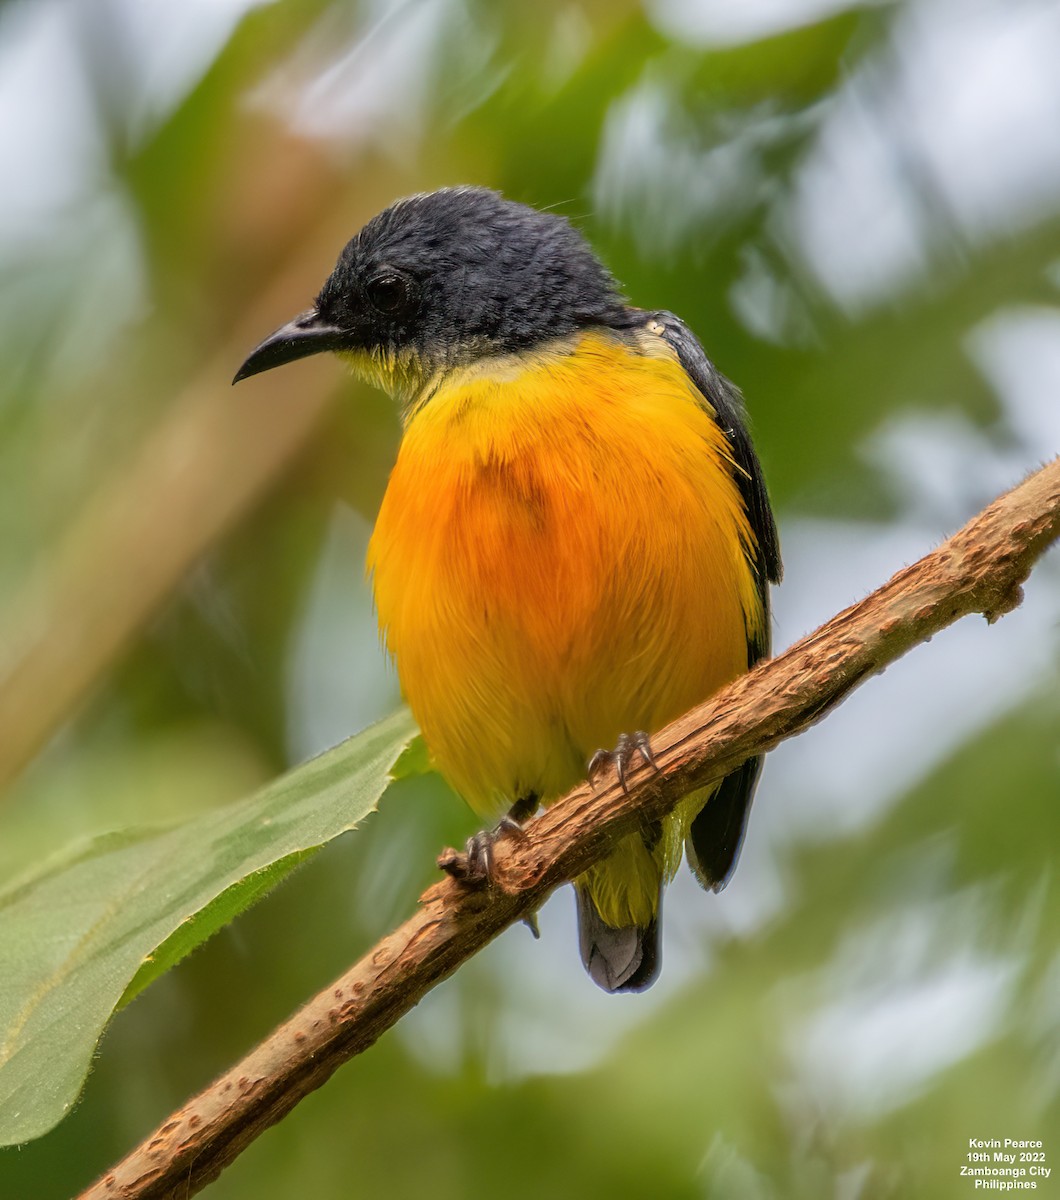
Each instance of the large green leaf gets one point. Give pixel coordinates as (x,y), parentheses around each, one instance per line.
(93,928)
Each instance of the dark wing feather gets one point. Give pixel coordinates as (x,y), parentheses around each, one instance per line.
(717,832)
(725,400)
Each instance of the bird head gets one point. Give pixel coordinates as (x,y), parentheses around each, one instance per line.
(443,279)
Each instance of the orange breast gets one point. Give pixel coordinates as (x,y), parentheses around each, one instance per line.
(561,556)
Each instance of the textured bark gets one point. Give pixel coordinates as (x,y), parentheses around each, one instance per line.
(978,570)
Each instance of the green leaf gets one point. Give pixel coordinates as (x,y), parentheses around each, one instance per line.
(415,760)
(95,927)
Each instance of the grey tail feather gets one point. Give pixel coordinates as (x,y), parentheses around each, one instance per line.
(618,960)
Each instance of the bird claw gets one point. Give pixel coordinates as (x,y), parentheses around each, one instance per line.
(475,866)
(629,745)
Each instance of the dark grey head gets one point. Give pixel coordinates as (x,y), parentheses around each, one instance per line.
(447,277)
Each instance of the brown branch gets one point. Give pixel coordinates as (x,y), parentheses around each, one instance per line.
(979,570)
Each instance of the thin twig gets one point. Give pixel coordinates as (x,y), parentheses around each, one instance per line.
(978,570)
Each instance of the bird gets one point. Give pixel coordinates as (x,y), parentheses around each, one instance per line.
(575,544)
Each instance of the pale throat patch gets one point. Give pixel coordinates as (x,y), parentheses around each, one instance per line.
(412,380)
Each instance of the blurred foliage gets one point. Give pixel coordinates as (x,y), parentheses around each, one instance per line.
(848,218)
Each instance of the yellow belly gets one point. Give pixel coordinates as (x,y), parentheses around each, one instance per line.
(562,555)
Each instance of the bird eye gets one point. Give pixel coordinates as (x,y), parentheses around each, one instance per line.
(388,293)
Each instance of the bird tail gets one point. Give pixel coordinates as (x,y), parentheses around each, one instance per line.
(625,959)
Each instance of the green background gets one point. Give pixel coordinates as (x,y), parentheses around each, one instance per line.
(857,208)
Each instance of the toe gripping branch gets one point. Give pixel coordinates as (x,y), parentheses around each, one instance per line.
(627,749)
(475,865)
(474,868)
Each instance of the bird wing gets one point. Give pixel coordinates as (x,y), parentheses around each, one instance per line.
(726,402)
(716,833)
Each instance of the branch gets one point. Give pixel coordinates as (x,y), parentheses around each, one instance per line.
(978,570)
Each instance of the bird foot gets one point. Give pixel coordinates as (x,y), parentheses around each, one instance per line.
(628,747)
(475,866)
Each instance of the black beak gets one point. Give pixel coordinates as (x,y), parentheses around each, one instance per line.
(306,334)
